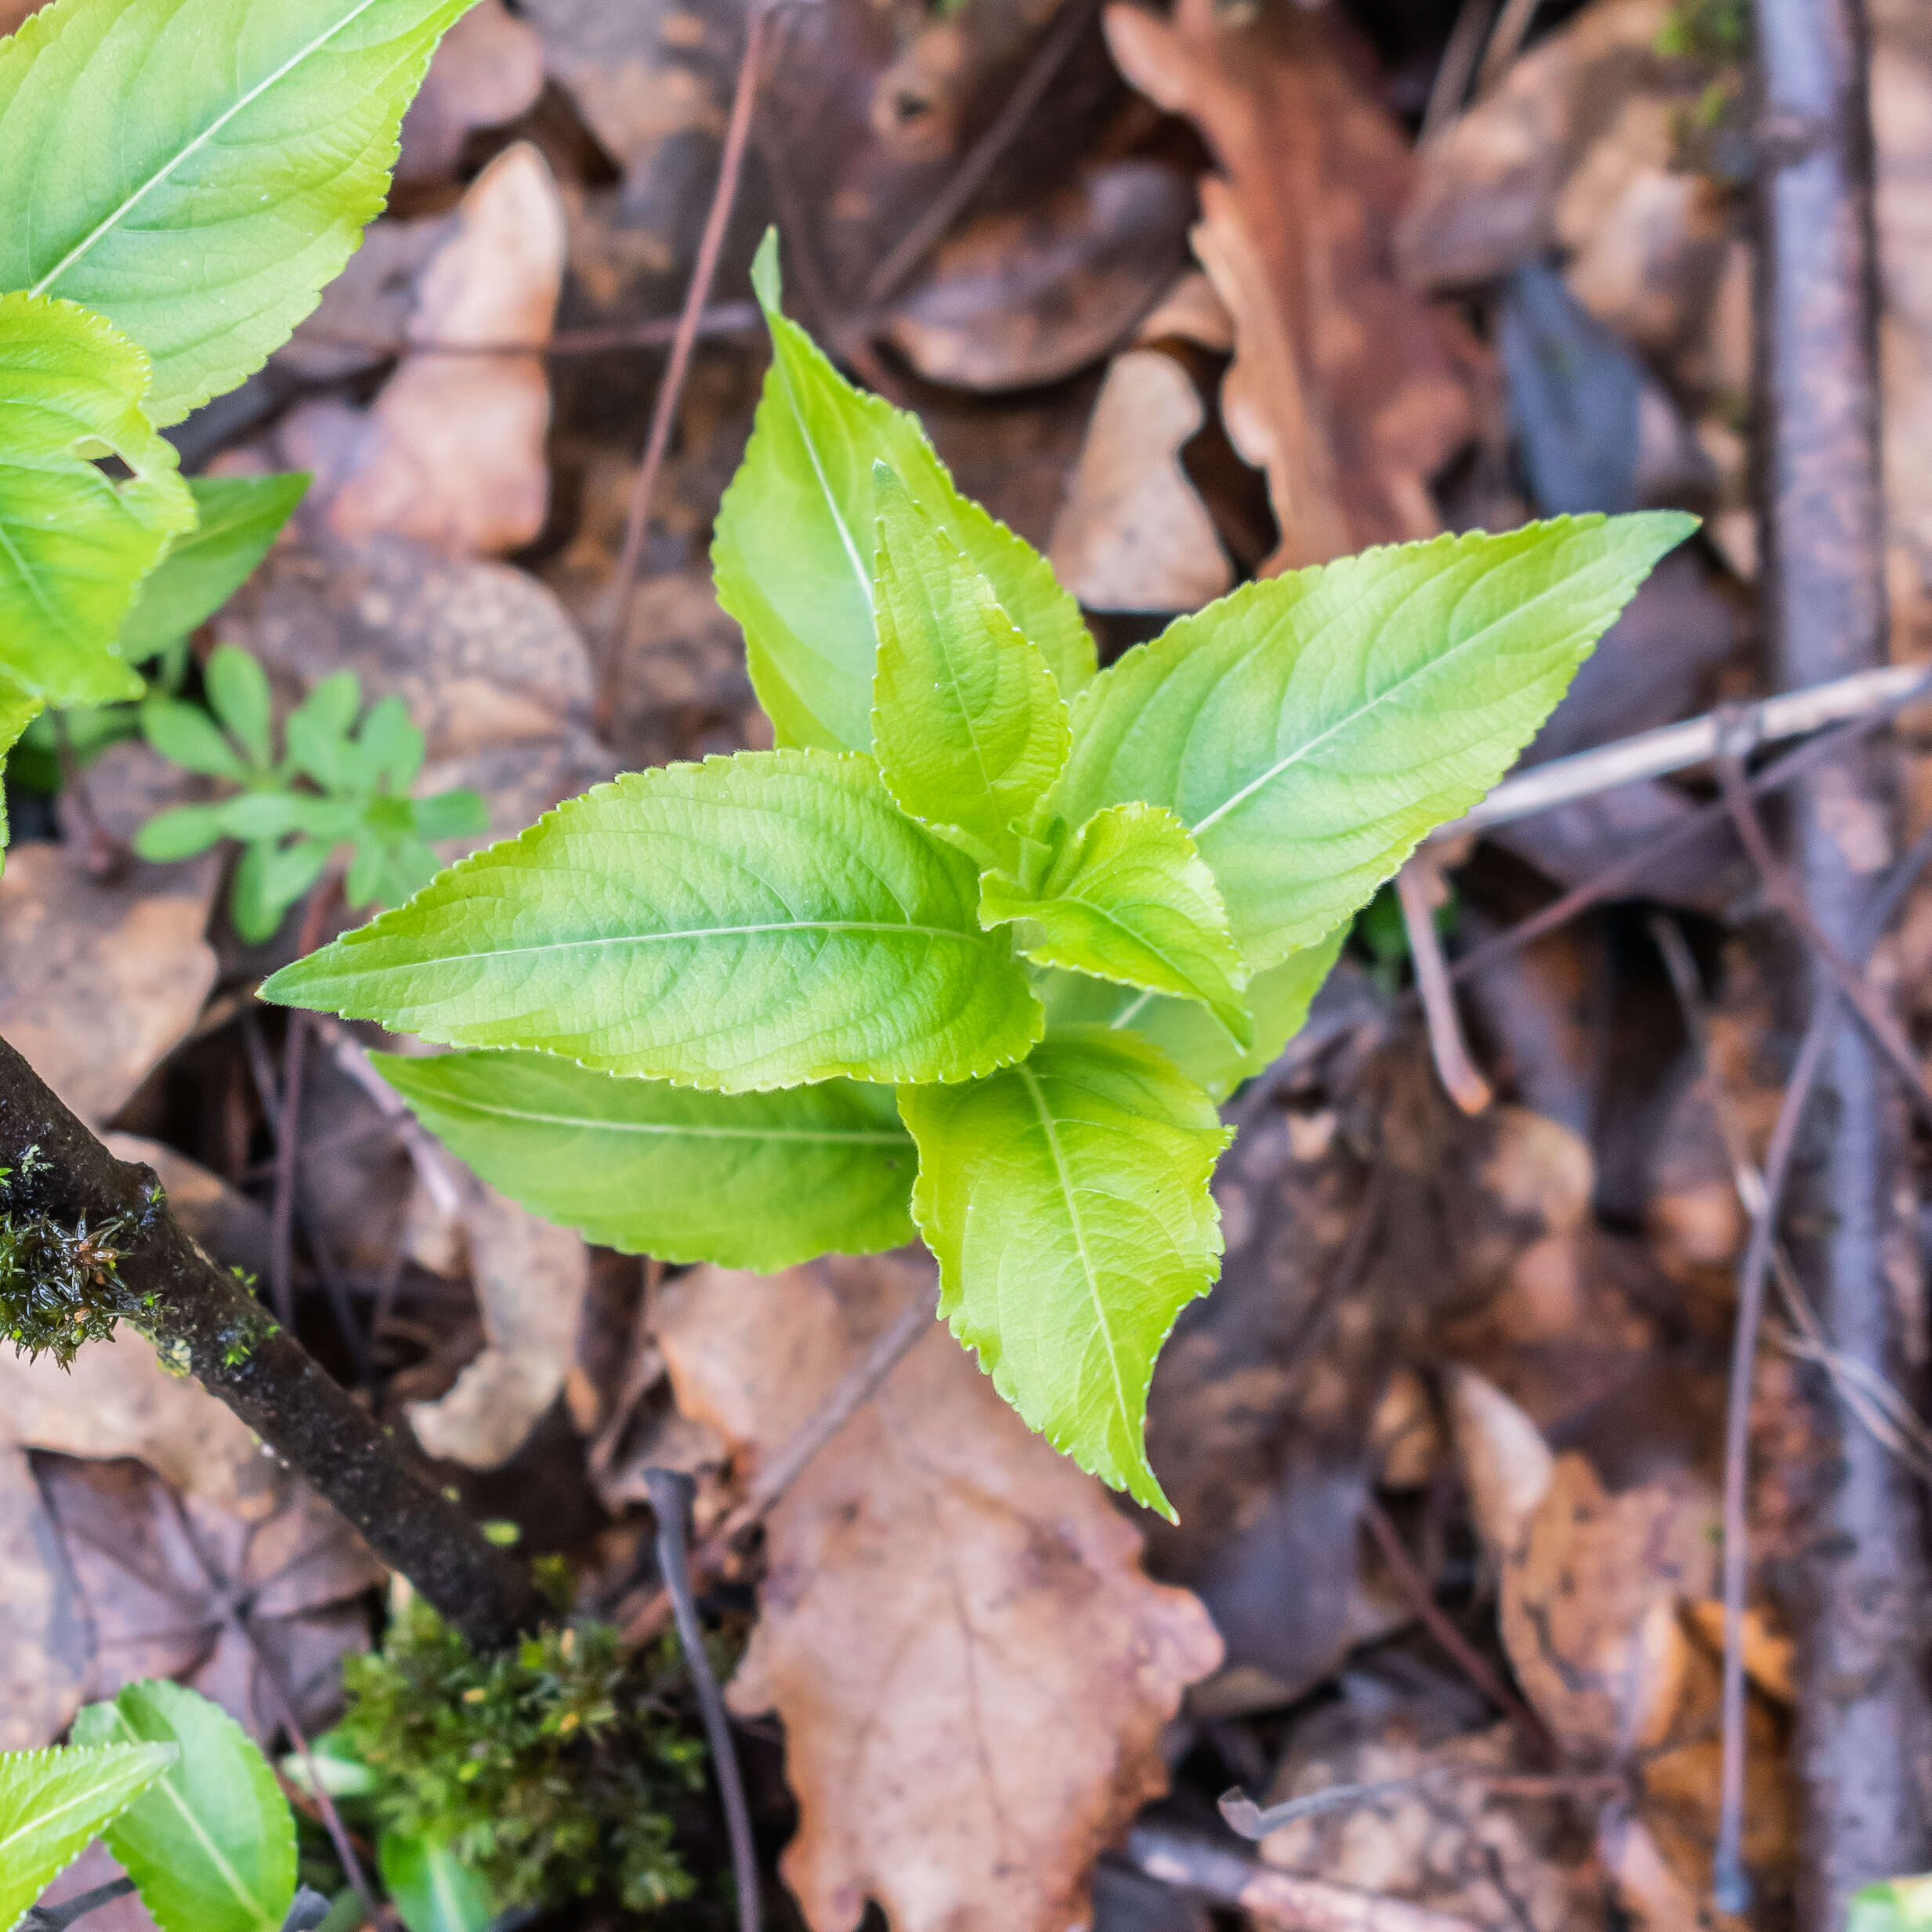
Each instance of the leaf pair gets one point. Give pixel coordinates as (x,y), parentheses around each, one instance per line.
(364,778)
(186,1803)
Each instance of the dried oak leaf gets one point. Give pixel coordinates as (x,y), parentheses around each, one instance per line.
(1348,387)
(972,1670)
(451,452)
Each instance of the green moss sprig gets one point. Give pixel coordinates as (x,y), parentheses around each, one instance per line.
(551,1771)
(58,1285)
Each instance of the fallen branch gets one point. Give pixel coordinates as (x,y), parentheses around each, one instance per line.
(204,1323)
(1860,1603)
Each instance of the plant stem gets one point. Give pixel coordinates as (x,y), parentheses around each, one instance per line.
(206,1323)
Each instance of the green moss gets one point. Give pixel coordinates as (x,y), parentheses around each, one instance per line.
(553,1770)
(59,1285)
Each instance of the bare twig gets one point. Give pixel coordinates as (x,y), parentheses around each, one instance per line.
(1527,1727)
(768,1488)
(206,1322)
(671,1491)
(1512,26)
(1274,1898)
(1737,728)
(1789,897)
(58,1918)
(1241,1813)
(721,318)
(665,404)
(235,1613)
(1626,875)
(1416,888)
(1451,84)
(907,255)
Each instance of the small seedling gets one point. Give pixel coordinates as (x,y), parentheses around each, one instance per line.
(361,779)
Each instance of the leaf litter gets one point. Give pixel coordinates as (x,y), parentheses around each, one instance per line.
(1209,310)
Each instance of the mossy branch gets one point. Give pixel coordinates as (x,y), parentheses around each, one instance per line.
(88,1238)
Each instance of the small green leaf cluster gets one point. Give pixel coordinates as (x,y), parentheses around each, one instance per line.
(185,1801)
(545,1776)
(978,949)
(181,177)
(361,777)
(59,1286)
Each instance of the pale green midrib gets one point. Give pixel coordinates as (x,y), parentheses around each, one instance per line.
(1363,711)
(441,1861)
(214,1851)
(115,216)
(41,1821)
(1194,995)
(858,569)
(695,932)
(32,581)
(880,1136)
(1031,1082)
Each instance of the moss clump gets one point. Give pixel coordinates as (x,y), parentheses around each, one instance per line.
(551,1770)
(58,1285)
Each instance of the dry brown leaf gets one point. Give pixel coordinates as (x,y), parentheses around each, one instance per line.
(972,1670)
(1133,535)
(451,452)
(98,980)
(1591,1597)
(531,1277)
(1347,389)
(494,673)
(1029,295)
(487,69)
(1507,1465)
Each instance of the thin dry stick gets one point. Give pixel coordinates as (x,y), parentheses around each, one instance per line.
(909,254)
(1527,1727)
(1850,983)
(1730,1886)
(1458,62)
(855,1388)
(58,1918)
(1453,1066)
(234,1612)
(1241,1813)
(721,318)
(665,404)
(1626,875)
(671,1491)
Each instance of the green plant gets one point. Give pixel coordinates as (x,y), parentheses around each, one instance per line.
(362,777)
(183,1799)
(543,1776)
(170,219)
(1061,912)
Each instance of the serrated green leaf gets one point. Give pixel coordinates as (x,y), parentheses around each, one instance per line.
(53,1804)
(793,552)
(430,1887)
(757,921)
(1067,1200)
(240,517)
(968,724)
(18,709)
(392,745)
(195,170)
(1308,730)
(757,1180)
(74,543)
(211,1846)
(1278,999)
(1131,899)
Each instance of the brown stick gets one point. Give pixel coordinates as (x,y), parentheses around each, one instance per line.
(208,1323)
(665,404)
(768,1489)
(1453,1066)
(1860,1605)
